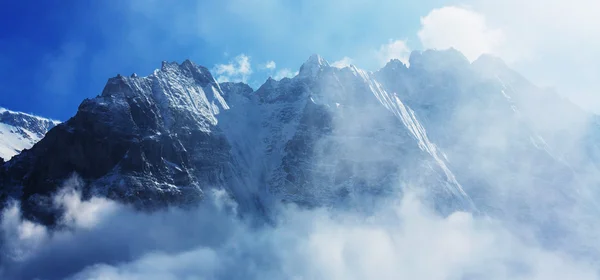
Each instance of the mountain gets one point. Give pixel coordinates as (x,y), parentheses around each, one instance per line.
(333,135)
(523,154)
(472,134)
(493,123)
(19,131)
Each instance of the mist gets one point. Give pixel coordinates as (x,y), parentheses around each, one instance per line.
(402,239)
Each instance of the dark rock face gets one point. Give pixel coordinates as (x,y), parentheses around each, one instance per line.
(150,141)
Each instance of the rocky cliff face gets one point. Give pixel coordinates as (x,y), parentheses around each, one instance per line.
(150,141)
(328,136)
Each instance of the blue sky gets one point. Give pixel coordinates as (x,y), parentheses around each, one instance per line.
(53,56)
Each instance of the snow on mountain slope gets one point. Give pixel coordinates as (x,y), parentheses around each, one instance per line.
(323,137)
(409,119)
(327,139)
(19,131)
(327,136)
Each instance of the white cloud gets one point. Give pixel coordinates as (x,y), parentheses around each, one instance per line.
(553,42)
(402,240)
(344,62)
(462,29)
(20,238)
(284,73)
(238,70)
(271,65)
(530,37)
(78,213)
(394,49)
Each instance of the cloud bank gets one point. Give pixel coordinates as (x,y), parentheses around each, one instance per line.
(459,28)
(402,239)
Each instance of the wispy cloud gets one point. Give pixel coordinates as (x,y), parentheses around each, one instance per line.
(542,47)
(394,49)
(402,240)
(237,70)
(284,73)
(344,62)
(61,68)
(459,28)
(270,65)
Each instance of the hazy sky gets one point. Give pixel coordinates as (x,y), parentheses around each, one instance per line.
(53,56)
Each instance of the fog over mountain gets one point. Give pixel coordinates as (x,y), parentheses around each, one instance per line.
(440,168)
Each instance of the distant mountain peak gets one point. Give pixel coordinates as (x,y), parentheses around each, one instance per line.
(237,88)
(20,131)
(438,59)
(4,110)
(491,65)
(313,66)
(490,59)
(395,64)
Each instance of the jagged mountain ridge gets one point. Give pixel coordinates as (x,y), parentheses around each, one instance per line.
(326,136)
(316,164)
(20,131)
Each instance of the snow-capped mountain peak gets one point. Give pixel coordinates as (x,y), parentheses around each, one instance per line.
(20,131)
(395,65)
(312,66)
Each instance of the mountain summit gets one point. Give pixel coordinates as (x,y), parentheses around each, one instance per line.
(313,66)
